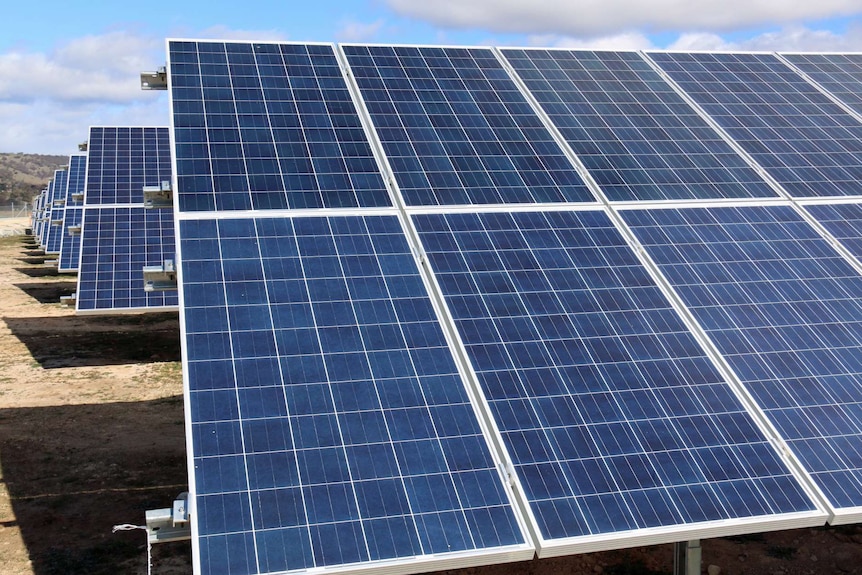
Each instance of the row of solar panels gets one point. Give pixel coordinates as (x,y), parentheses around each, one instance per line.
(447,306)
(93,216)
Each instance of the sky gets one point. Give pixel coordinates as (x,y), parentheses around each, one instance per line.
(65,67)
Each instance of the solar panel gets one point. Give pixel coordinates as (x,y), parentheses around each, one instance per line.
(839,74)
(116,243)
(616,421)
(45,215)
(119,236)
(36,223)
(330,428)
(636,135)
(804,140)
(76,179)
(457,130)
(54,232)
(122,160)
(267,126)
(843,221)
(783,308)
(70,245)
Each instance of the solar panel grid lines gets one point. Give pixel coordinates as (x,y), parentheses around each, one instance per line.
(780,304)
(311,342)
(808,143)
(457,130)
(117,241)
(841,223)
(638,137)
(279,123)
(839,75)
(634,501)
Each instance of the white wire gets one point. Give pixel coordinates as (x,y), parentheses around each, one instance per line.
(130,527)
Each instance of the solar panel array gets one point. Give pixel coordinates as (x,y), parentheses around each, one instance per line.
(444,306)
(355,440)
(119,236)
(615,418)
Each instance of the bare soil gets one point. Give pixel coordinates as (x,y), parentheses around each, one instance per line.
(91,436)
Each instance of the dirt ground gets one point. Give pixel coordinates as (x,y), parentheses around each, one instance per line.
(91,436)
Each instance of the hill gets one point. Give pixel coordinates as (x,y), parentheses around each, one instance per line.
(22,176)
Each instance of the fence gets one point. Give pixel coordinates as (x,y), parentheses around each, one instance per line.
(15,210)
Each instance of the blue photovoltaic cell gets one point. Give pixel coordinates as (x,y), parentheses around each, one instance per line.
(329,422)
(122,160)
(54,234)
(839,74)
(844,221)
(116,244)
(70,245)
(804,140)
(784,309)
(614,418)
(267,126)
(636,135)
(457,130)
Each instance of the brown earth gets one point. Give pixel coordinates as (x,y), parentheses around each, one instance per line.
(91,436)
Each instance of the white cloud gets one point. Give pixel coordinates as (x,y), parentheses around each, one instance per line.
(789,39)
(602,17)
(49,99)
(355,31)
(225,33)
(54,127)
(627,41)
(90,69)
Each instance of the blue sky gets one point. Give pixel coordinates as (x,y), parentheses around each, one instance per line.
(64,67)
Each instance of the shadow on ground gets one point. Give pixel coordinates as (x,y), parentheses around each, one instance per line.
(76,341)
(38,272)
(48,292)
(73,472)
(33,260)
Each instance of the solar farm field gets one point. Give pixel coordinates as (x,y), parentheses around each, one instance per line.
(91,427)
